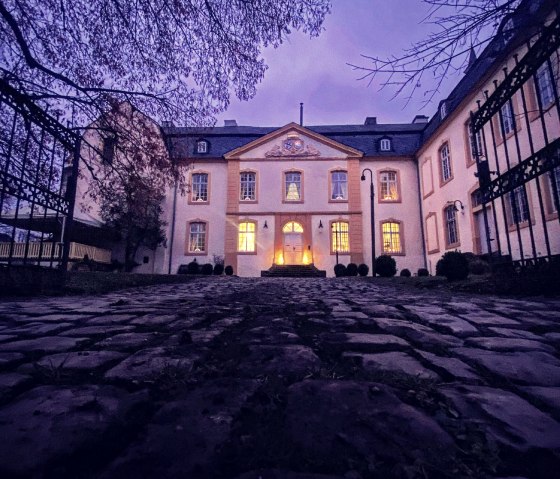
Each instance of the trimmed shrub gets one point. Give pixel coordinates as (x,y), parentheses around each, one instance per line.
(207,269)
(406,273)
(352,269)
(477,266)
(228,270)
(363,269)
(385,266)
(193,267)
(339,270)
(453,265)
(423,272)
(219,269)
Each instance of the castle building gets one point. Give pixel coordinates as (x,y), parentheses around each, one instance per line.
(481,176)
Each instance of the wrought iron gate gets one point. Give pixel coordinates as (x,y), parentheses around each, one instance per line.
(517,150)
(38,173)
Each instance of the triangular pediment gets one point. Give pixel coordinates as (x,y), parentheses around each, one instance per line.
(293,141)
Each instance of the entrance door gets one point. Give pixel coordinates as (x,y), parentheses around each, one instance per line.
(293,243)
(482,232)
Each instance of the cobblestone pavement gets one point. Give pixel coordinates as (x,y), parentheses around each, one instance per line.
(279,378)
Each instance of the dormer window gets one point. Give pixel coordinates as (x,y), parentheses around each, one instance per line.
(385,144)
(508,30)
(202,146)
(443,110)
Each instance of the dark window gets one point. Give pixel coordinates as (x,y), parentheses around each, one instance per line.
(109,144)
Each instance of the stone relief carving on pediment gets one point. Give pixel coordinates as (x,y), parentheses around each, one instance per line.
(292,146)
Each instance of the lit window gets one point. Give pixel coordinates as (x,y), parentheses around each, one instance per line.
(197,237)
(202,146)
(508,118)
(544,85)
(385,144)
(391,232)
(199,187)
(340,240)
(246,243)
(339,185)
(475,142)
(292,227)
(389,187)
(518,205)
(293,186)
(443,110)
(445,162)
(248,186)
(451,233)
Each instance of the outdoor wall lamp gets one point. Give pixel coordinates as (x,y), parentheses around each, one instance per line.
(320,225)
(460,205)
(265,227)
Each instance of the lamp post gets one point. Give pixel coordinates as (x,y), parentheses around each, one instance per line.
(372,217)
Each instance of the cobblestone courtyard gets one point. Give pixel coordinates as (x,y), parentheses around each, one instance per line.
(279,378)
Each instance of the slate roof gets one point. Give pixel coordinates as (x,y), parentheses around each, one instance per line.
(405,138)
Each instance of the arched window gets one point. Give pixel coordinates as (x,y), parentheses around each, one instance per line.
(340,240)
(292,227)
(391,237)
(247,237)
(451,232)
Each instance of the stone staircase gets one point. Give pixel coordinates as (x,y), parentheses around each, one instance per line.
(294,271)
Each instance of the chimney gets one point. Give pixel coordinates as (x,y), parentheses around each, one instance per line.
(301,114)
(230,123)
(371,120)
(420,119)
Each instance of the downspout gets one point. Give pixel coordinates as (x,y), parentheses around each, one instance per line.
(172,228)
(421,213)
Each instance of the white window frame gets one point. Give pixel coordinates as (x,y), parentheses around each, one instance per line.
(202,146)
(247,186)
(518,205)
(507,118)
(290,178)
(445,162)
(339,185)
(394,230)
(199,189)
(197,237)
(475,141)
(451,230)
(544,89)
(385,144)
(340,236)
(388,181)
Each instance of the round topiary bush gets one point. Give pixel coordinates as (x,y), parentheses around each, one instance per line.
(193,267)
(228,270)
(207,269)
(339,270)
(218,269)
(363,269)
(477,266)
(453,265)
(385,266)
(423,272)
(406,273)
(352,269)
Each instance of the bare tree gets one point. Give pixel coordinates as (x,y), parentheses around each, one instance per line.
(459,27)
(175,60)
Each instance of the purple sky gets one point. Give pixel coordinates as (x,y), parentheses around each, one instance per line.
(315,71)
